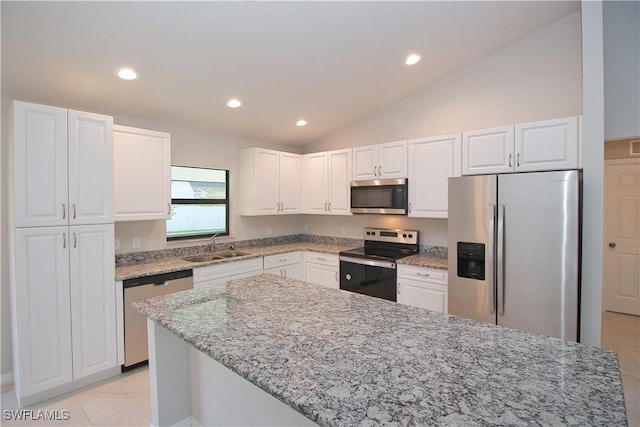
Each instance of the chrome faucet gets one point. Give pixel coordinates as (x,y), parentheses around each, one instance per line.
(212,242)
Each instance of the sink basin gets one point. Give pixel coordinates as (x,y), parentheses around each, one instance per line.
(202,258)
(231,254)
(213,257)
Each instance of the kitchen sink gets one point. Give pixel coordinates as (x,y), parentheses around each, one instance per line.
(213,257)
(202,258)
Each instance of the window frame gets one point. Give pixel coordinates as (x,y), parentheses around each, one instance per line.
(226,202)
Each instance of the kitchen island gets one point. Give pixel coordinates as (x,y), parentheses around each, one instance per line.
(270,350)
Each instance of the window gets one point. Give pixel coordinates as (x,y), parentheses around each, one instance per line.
(199,203)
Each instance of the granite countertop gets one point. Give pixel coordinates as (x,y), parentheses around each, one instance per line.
(341,358)
(171,264)
(426,260)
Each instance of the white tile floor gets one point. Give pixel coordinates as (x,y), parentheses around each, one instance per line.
(124,400)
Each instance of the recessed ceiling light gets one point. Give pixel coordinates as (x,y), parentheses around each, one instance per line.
(412,59)
(300,123)
(127,74)
(234,103)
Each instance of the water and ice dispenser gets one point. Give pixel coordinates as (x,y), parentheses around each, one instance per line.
(471,260)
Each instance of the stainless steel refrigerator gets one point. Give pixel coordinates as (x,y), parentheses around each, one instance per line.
(514,251)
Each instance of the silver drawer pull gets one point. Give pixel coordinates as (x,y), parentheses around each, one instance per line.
(424,274)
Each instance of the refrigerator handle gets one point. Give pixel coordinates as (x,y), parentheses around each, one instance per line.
(491,250)
(500,258)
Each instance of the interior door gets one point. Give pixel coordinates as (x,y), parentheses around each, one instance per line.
(622,236)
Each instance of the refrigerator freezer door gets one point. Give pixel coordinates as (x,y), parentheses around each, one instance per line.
(472,215)
(540,253)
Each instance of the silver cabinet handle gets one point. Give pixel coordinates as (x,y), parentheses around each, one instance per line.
(423,274)
(409,207)
(74,211)
(380,170)
(518,159)
(284,259)
(285,272)
(64,211)
(320,258)
(64,240)
(397,288)
(329,206)
(75,240)
(510,156)
(325,206)
(336,276)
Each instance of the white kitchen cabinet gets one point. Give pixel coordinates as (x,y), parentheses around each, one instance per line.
(547,145)
(64,305)
(536,146)
(63,166)
(380,161)
(221,273)
(322,269)
(142,178)
(326,182)
(285,265)
(269,182)
(432,161)
(422,287)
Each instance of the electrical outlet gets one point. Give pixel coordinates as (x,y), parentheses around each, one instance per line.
(343,231)
(306,228)
(268,231)
(135,244)
(117,244)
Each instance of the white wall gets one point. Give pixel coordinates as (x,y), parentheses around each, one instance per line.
(191,147)
(621,69)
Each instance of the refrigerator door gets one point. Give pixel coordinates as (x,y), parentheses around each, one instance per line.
(472,212)
(538,247)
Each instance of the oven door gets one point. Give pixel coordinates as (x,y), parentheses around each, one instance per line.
(369,277)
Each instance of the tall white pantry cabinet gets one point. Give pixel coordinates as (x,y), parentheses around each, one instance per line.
(63,276)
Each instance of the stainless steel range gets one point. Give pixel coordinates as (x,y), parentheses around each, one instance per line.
(371,270)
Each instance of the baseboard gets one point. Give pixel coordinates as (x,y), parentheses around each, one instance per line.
(6,379)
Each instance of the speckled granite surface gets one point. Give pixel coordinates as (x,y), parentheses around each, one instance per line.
(344,359)
(426,260)
(167,265)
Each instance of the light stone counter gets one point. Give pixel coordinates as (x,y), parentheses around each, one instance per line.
(344,359)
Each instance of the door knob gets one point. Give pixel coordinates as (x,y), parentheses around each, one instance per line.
(612,245)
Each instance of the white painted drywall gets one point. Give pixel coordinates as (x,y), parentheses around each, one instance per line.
(621,69)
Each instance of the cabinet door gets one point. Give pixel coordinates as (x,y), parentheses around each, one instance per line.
(142,174)
(93,298)
(432,161)
(90,140)
(547,145)
(315,174)
(289,183)
(392,160)
(365,162)
(339,182)
(424,295)
(322,274)
(267,181)
(43,312)
(40,165)
(488,151)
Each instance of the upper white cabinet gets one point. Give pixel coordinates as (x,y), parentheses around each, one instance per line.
(326,179)
(63,166)
(269,182)
(432,161)
(142,178)
(388,160)
(536,146)
(547,145)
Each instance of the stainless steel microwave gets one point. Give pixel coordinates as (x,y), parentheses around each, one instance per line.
(379,196)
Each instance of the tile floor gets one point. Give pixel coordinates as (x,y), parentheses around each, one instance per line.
(124,400)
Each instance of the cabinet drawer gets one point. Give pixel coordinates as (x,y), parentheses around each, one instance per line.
(422,274)
(227,269)
(321,258)
(280,260)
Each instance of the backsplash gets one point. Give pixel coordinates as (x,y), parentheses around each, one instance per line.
(139,257)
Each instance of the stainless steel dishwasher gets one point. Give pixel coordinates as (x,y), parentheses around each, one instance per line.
(135,324)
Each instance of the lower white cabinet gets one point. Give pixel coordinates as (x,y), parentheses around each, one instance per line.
(65,305)
(422,287)
(285,265)
(221,273)
(322,269)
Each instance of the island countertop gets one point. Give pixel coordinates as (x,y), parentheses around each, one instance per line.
(341,358)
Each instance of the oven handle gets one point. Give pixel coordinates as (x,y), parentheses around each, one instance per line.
(370,262)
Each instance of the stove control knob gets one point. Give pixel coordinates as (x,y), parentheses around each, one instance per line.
(405,235)
(368,233)
(411,236)
(348,277)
